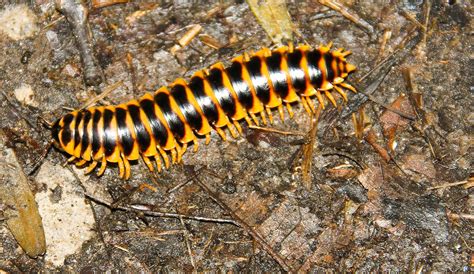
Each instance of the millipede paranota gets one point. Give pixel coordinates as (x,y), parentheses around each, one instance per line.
(163,123)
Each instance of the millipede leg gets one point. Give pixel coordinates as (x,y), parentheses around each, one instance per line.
(221,133)
(237,126)
(91,167)
(264,117)
(121,168)
(311,105)
(320,99)
(269,113)
(158,162)
(305,105)
(290,110)
(208,138)
(232,130)
(165,157)
(196,145)
(148,163)
(248,120)
(81,163)
(102,166)
(344,54)
(349,87)
(126,165)
(329,95)
(173,155)
(282,114)
(340,91)
(254,118)
(181,151)
(71,159)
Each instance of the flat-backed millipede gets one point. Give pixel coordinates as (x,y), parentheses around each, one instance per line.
(165,122)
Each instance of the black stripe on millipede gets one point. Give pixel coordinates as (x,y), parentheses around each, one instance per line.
(259,81)
(315,74)
(277,75)
(175,124)
(240,87)
(295,71)
(189,111)
(123,132)
(95,131)
(66,133)
(110,133)
(85,134)
(328,60)
(143,138)
(222,94)
(159,131)
(77,136)
(196,85)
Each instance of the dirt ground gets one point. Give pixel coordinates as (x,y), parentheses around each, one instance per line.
(387,190)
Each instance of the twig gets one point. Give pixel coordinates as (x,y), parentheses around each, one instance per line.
(461,216)
(152,213)
(277,130)
(102,95)
(308,149)
(451,184)
(76,14)
(186,38)
(348,14)
(186,240)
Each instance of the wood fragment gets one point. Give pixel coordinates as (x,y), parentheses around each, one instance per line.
(371,138)
(186,38)
(210,41)
(413,20)
(274,130)
(468,183)
(274,18)
(346,12)
(308,149)
(105,93)
(97,4)
(387,34)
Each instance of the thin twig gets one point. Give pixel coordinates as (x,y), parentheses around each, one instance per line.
(277,130)
(186,240)
(102,95)
(152,213)
(449,185)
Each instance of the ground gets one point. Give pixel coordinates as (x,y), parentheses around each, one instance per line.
(387,190)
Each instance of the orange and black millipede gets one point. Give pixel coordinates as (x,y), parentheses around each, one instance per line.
(165,122)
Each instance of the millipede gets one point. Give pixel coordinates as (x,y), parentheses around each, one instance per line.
(158,127)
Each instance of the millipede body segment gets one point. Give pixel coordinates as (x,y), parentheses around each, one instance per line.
(158,127)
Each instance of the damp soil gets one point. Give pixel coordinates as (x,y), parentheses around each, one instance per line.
(361,212)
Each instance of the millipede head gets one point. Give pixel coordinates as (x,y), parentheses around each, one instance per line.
(55,129)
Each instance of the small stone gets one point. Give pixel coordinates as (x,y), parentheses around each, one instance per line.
(25,94)
(18,22)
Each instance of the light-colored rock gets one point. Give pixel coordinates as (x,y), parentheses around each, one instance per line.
(26,95)
(18,22)
(68,220)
